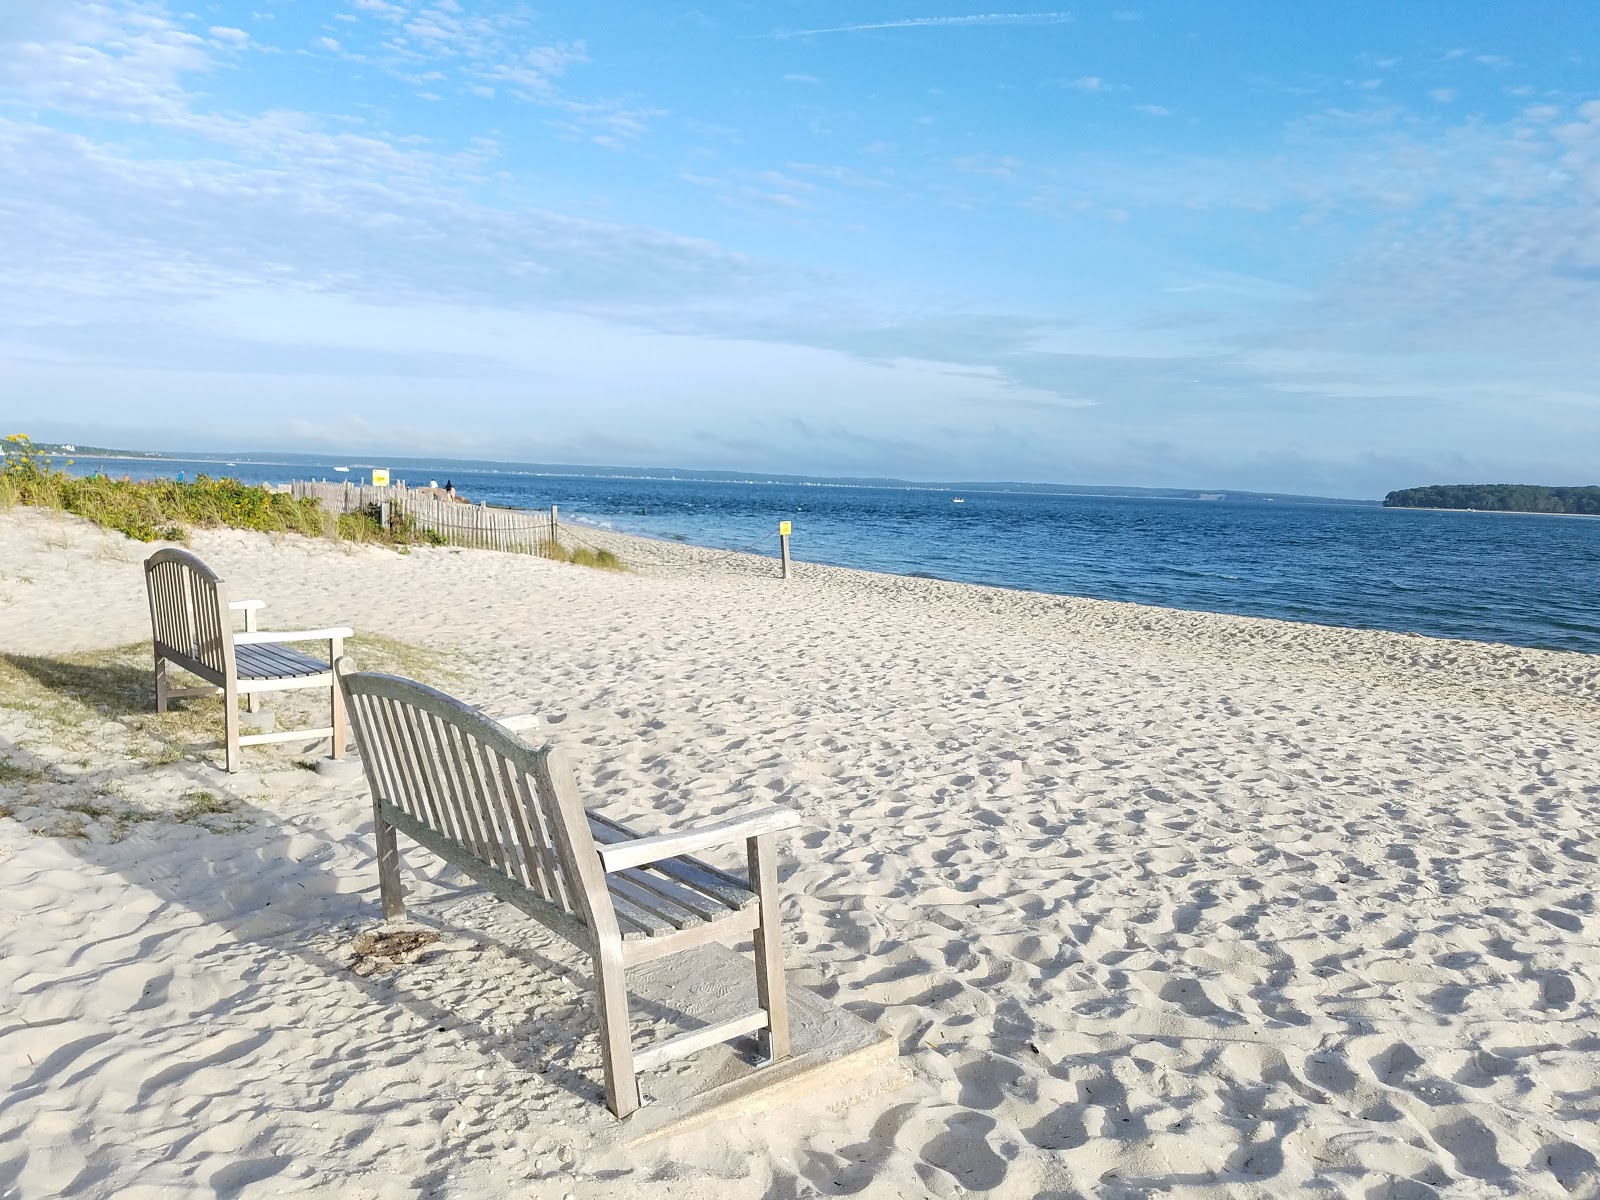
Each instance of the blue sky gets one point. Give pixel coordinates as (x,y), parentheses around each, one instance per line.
(1318,248)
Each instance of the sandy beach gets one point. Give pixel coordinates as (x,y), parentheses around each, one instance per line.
(1155,902)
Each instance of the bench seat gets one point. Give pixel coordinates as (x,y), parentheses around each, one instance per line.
(265,661)
(673,894)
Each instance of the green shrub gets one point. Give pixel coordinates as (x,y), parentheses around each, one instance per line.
(149,510)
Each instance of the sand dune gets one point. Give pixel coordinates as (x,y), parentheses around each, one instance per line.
(1153,901)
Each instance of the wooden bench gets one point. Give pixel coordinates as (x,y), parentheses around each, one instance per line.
(191,622)
(509,816)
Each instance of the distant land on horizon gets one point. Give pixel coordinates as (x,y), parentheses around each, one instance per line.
(55,449)
(274,458)
(1500,497)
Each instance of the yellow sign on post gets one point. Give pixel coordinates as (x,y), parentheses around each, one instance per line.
(783,529)
(380,477)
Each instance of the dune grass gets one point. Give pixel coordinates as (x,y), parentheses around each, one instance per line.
(581,556)
(149,510)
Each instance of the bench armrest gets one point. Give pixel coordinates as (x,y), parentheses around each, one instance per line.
(291,635)
(619,856)
(245,605)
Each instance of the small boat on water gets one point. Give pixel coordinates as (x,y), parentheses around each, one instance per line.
(341,468)
(957,500)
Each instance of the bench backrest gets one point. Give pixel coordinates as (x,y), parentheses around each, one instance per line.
(189,617)
(438,766)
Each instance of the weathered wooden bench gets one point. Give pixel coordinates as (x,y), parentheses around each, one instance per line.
(191,622)
(509,815)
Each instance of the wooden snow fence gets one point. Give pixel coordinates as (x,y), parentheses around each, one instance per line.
(521,531)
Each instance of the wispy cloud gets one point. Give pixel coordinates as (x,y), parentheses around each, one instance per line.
(1037,18)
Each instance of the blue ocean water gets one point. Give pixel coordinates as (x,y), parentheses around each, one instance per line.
(1520,579)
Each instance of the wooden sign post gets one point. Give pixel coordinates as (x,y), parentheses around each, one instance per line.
(783,545)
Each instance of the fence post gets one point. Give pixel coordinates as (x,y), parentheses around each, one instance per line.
(783,545)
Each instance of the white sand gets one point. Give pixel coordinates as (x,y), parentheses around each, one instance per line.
(1155,901)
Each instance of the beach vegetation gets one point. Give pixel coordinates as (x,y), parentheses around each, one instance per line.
(165,510)
(581,556)
(88,695)
(204,808)
(97,709)
(149,510)
(14,774)
(369,525)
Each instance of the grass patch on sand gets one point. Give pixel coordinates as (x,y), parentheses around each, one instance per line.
(84,698)
(79,817)
(374,652)
(78,696)
(14,774)
(581,556)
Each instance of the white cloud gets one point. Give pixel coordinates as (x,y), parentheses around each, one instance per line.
(975,19)
(1153,110)
(92,58)
(1002,166)
(1442,95)
(326,43)
(1088,83)
(224,33)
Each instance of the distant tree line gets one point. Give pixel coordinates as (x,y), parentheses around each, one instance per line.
(1499,497)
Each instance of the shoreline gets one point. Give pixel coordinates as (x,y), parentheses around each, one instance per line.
(626,543)
(1488,512)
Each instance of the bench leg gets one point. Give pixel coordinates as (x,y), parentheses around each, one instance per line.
(762,856)
(341,738)
(161,683)
(616,1042)
(252,700)
(230,718)
(394,904)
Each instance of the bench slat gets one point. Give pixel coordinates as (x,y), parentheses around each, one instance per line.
(419,791)
(681,894)
(680,916)
(479,767)
(471,807)
(638,923)
(555,883)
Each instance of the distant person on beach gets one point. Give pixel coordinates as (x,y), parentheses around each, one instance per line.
(449,489)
